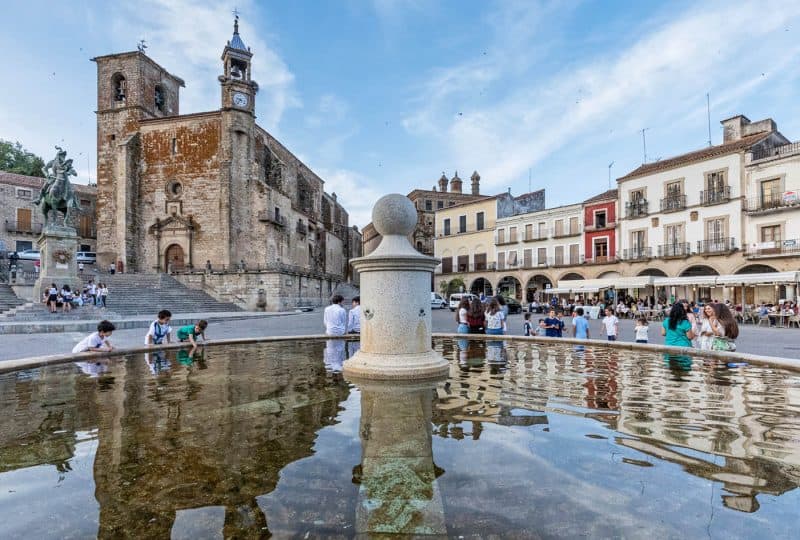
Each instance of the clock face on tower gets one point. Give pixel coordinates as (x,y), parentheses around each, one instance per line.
(240,100)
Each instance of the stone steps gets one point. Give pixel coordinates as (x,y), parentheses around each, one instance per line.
(146,294)
(9,300)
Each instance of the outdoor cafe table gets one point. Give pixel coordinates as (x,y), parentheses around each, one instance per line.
(780,319)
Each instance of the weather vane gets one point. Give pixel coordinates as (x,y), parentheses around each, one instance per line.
(235,12)
(142,45)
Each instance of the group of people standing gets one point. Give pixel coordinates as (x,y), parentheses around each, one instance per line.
(66,298)
(475,317)
(713,328)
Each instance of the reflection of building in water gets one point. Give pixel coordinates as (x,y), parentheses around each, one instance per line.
(716,412)
(40,413)
(398,491)
(212,437)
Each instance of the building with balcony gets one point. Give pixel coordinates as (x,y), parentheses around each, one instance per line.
(683,216)
(600,228)
(468,244)
(428,202)
(23,221)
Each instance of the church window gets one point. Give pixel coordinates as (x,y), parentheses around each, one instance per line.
(174,188)
(159,98)
(174,146)
(119,86)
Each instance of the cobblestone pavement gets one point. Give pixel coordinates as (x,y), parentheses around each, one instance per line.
(782,342)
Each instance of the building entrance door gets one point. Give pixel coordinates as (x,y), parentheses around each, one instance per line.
(174,259)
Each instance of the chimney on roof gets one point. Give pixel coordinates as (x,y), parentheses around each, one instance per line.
(740,126)
(443,183)
(455,184)
(476,183)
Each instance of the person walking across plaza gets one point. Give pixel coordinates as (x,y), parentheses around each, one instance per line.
(354,317)
(580,326)
(611,324)
(527,328)
(335,317)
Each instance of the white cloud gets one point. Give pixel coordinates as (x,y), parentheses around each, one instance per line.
(187,37)
(662,76)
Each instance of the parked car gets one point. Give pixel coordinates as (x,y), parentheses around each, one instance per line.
(29,255)
(87,257)
(513,305)
(437,302)
(456,298)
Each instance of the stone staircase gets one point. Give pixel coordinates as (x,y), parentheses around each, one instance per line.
(146,294)
(9,300)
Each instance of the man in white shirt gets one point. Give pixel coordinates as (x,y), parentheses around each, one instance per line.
(612,325)
(335,317)
(354,317)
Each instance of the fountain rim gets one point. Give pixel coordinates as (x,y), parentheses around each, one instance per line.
(9,366)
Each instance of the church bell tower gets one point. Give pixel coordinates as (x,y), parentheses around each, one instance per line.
(238,88)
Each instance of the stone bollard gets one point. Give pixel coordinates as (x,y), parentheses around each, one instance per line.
(395,301)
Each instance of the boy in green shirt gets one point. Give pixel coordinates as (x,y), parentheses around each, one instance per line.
(191,332)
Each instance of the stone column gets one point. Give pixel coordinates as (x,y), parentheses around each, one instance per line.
(395,301)
(58,246)
(398,491)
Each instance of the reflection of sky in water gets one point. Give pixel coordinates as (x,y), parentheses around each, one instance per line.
(554,443)
(34,501)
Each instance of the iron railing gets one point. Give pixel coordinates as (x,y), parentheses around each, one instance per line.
(772,200)
(270,217)
(675,249)
(673,203)
(634,209)
(715,196)
(779,248)
(716,245)
(637,254)
(567,261)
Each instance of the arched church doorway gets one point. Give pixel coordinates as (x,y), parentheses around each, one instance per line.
(174,258)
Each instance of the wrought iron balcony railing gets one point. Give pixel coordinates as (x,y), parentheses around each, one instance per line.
(676,249)
(715,196)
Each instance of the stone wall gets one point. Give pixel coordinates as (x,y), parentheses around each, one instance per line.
(264,290)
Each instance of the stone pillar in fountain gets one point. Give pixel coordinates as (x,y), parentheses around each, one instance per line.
(398,488)
(395,301)
(58,246)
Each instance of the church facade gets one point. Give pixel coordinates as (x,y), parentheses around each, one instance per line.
(208,192)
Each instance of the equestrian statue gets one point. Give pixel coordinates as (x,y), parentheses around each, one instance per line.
(57,193)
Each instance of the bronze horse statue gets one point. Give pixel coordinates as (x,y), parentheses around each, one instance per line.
(57,193)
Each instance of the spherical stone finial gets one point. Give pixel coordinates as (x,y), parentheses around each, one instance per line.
(394,214)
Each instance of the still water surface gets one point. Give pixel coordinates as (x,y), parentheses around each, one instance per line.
(520,441)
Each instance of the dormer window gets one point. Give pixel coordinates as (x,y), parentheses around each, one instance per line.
(159,98)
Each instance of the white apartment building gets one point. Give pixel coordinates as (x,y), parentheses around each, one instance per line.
(551,238)
(683,218)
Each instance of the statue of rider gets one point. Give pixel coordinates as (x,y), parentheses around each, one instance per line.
(51,172)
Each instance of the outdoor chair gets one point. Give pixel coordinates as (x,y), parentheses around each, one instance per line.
(764,319)
(794,320)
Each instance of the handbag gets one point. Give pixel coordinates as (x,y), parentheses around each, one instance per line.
(720,343)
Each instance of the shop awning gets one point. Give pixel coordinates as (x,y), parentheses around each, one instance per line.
(635,282)
(688,281)
(769,278)
(557,290)
(584,290)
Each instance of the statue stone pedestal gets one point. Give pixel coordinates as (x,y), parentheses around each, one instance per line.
(58,246)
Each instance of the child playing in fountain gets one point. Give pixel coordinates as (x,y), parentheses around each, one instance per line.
(97,341)
(191,332)
(159,329)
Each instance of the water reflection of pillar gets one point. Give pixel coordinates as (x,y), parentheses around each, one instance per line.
(602,387)
(398,491)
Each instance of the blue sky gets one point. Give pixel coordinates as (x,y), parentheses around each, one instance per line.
(381,96)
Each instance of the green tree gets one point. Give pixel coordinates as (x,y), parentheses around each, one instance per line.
(455,285)
(15,159)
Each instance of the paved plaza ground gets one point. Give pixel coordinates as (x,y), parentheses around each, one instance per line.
(782,342)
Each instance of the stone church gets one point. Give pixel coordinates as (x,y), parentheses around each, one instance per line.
(185,193)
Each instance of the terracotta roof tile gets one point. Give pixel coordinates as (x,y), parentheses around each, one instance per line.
(605,196)
(698,155)
(36,182)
